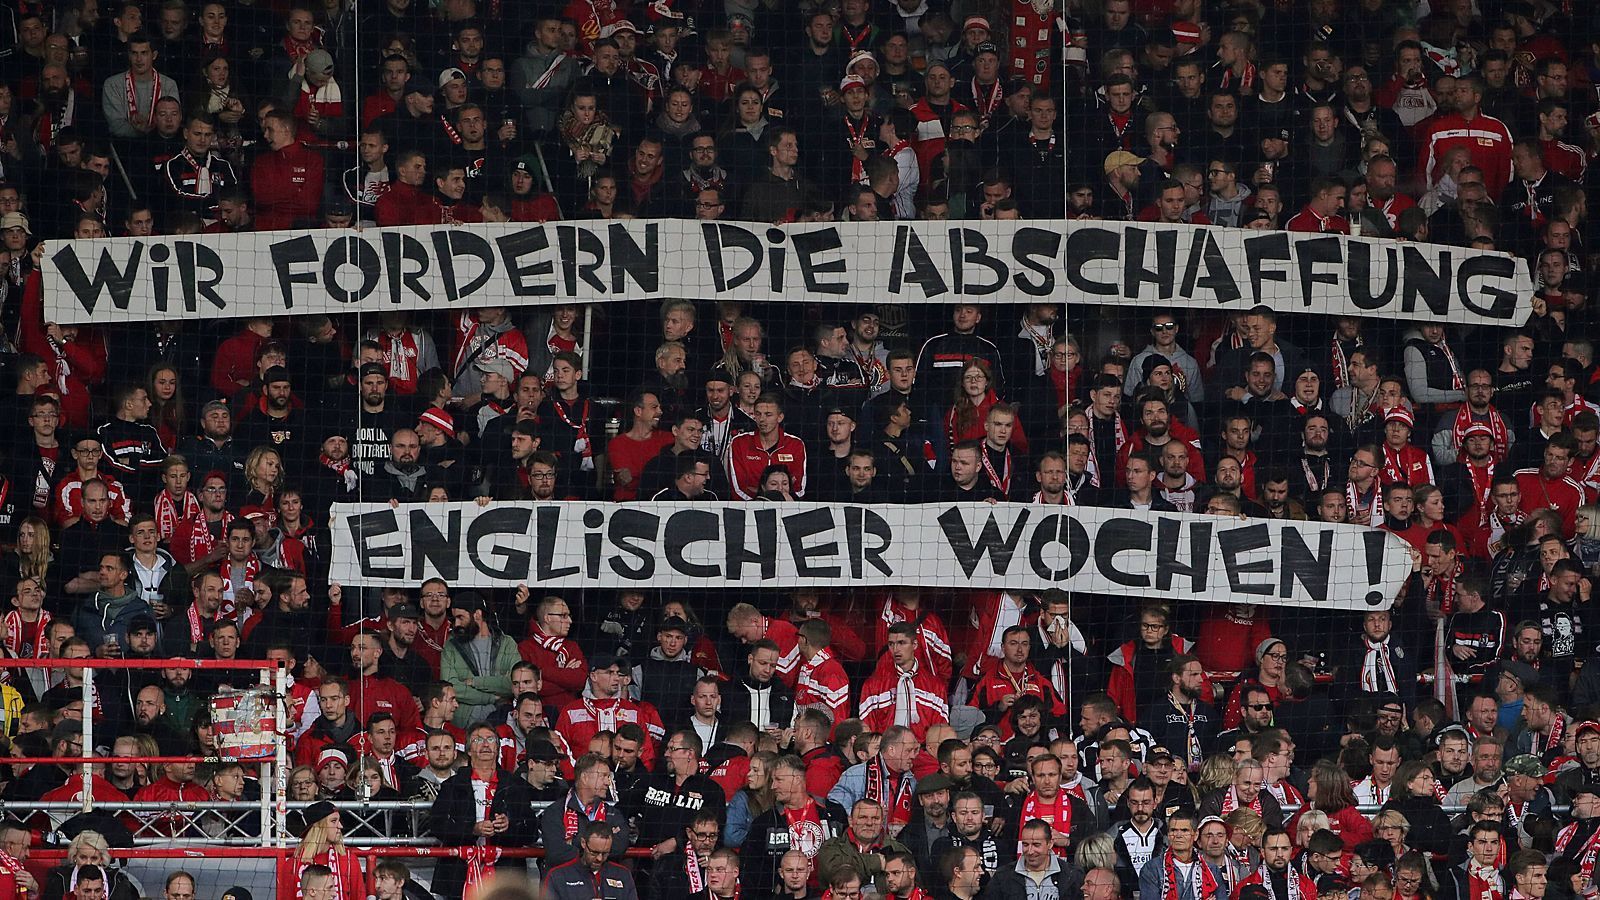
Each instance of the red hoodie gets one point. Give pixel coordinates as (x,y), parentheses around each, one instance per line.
(287,187)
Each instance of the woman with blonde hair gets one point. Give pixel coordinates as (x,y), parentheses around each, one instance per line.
(1098,851)
(1216,773)
(322,845)
(263,473)
(1245,832)
(89,848)
(752,800)
(31,558)
(302,784)
(1391,826)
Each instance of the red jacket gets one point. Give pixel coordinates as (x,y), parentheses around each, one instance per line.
(1179,432)
(998,683)
(377,693)
(75,367)
(346,865)
(580,722)
(66,501)
(747,457)
(1560,494)
(1226,641)
(561,665)
(1308,222)
(1120,688)
(935,652)
(287,187)
(403,204)
(787,637)
(1485,138)
(928,698)
(982,623)
(168,791)
(1308,888)
(235,362)
(1410,464)
(822,682)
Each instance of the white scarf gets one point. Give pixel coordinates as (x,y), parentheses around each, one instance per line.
(1377,660)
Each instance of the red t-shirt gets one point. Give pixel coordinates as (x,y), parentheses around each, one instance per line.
(624,452)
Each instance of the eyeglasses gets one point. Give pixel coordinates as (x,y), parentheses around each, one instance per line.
(1164,326)
(705,835)
(962,129)
(1258,707)
(1277,656)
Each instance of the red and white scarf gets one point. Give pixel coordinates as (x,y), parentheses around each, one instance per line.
(17,630)
(170,511)
(691,869)
(252,568)
(483,795)
(1496,423)
(1230,802)
(1341,361)
(1377,660)
(897,807)
(201,540)
(1057,812)
(605,717)
(1558,730)
(569,816)
(1293,881)
(580,427)
(133,98)
(197,628)
(1169,878)
(1483,882)
(1585,857)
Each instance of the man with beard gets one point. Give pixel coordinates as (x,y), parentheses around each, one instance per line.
(969,830)
(1378,662)
(1274,872)
(1068,817)
(1186,724)
(478,659)
(274,419)
(401,477)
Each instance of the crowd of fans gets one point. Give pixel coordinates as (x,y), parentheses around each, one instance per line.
(167,485)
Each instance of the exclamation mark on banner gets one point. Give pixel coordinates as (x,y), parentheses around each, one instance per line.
(1375,539)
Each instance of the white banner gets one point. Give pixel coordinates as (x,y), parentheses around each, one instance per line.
(332,271)
(1181,556)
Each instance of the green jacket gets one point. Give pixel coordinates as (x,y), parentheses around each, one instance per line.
(487,688)
(836,853)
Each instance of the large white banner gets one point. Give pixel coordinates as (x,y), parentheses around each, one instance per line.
(332,271)
(1181,556)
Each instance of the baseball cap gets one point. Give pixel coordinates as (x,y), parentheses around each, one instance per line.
(405,611)
(140,623)
(371,369)
(986,47)
(1524,764)
(852,81)
(451,74)
(1118,158)
(1402,415)
(1585,725)
(1477,428)
(494,365)
(1521,671)
(274,375)
(319,60)
(604,661)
